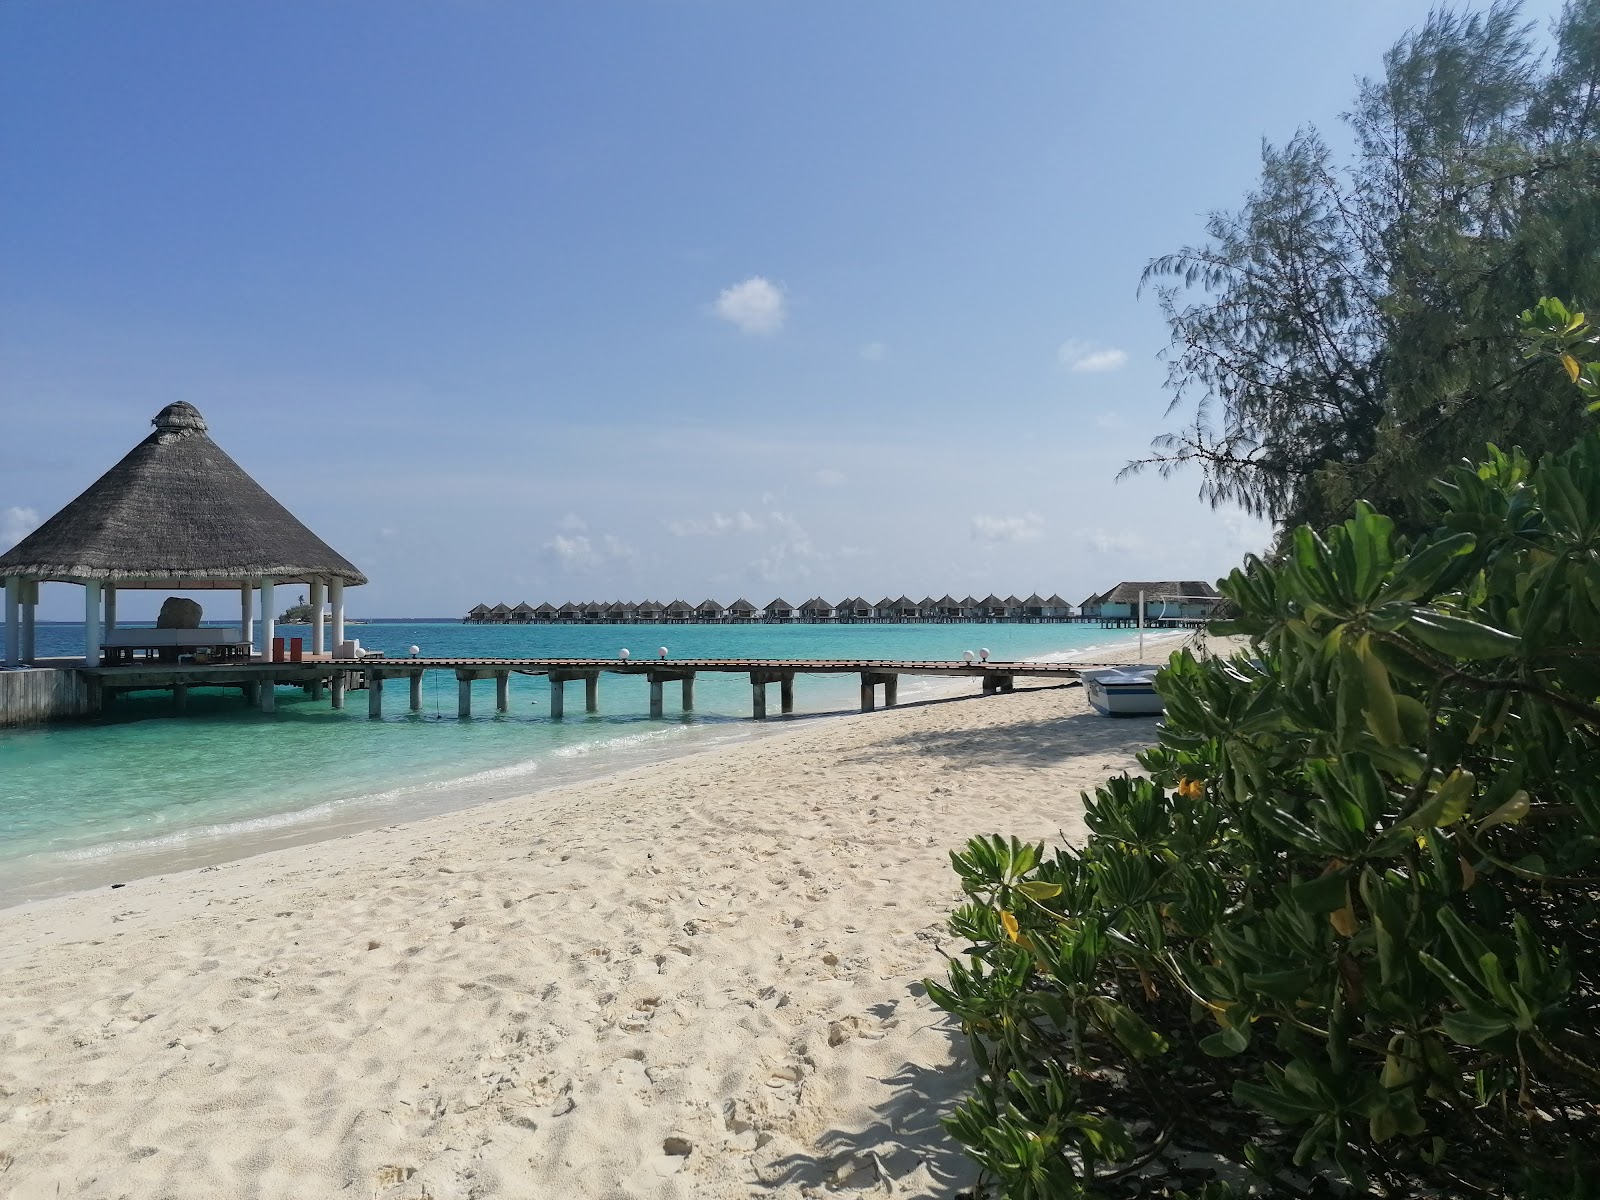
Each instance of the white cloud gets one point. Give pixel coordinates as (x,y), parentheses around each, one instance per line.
(1078,355)
(16,523)
(580,553)
(874,352)
(1026,528)
(739,522)
(789,558)
(573,523)
(755,306)
(828,477)
(1119,541)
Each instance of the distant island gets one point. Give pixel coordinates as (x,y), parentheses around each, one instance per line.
(303,613)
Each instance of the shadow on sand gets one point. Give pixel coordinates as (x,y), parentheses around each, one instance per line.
(1033,743)
(904,1147)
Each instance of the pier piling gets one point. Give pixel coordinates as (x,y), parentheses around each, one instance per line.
(786,694)
(558,695)
(269,695)
(688,692)
(657,683)
(502,691)
(758,698)
(463,694)
(374,694)
(416,691)
(591,692)
(180,698)
(339,683)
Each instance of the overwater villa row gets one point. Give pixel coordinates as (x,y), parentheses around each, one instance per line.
(1170,602)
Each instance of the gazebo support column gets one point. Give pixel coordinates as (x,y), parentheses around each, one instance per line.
(269,618)
(110,594)
(30,606)
(13,620)
(318,601)
(247,613)
(91,623)
(336,598)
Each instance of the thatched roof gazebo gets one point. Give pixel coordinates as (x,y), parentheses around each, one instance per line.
(176,513)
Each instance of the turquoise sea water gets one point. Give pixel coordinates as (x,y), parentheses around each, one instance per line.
(140,791)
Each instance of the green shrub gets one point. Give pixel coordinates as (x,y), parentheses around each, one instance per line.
(1346,927)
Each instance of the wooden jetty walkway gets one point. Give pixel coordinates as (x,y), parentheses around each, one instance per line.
(259,680)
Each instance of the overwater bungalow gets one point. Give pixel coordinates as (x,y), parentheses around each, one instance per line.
(545,612)
(905,609)
(570,612)
(816,609)
(927,609)
(624,612)
(478,613)
(500,614)
(709,610)
(1166,602)
(649,610)
(522,614)
(741,610)
(680,611)
(991,608)
(778,610)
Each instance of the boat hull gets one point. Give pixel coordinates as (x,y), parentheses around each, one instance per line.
(1123,693)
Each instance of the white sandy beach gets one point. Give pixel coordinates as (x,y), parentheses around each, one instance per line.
(697,979)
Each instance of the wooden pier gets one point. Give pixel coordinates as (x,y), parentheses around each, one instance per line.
(259,680)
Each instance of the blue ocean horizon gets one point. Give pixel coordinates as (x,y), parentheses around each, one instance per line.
(140,791)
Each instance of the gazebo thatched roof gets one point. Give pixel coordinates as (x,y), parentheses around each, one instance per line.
(176,511)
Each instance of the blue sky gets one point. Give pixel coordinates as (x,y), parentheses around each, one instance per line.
(511,301)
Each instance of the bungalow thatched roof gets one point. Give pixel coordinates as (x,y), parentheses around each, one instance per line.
(479,609)
(523,607)
(1168,589)
(176,509)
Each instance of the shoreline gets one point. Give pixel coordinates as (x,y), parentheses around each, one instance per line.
(696,979)
(95,868)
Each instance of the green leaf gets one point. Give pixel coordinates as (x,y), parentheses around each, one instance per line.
(1225,1043)
(1473,1028)
(1325,893)
(1035,889)
(1445,806)
(1460,637)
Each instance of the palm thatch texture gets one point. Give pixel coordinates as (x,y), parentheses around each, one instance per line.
(176,508)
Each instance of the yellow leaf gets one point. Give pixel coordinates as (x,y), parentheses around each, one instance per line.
(1571,364)
(1343,921)
(1009,922)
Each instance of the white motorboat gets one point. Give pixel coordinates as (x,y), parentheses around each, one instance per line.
(1123,691)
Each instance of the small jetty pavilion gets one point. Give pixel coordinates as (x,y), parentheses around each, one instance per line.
(176,514)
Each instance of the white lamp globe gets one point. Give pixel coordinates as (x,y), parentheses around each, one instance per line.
(663,652)
(623,653)
(984,654)
(967,654)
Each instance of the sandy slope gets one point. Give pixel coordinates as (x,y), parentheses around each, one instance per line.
(555,996)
